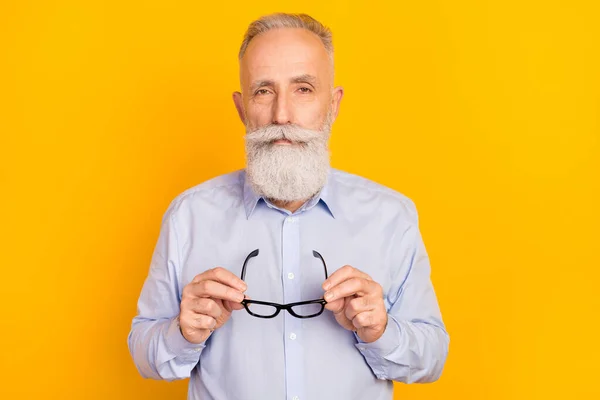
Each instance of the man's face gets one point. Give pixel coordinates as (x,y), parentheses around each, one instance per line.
(286,77)
(288,105)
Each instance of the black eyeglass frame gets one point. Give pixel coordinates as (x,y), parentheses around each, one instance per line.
(288,307)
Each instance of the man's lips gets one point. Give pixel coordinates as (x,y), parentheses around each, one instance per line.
(282,141)
(285,142)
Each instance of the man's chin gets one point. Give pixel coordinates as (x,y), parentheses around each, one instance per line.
(287,172)
(288,185)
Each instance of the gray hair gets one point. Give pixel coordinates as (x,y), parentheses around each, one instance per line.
(284,20)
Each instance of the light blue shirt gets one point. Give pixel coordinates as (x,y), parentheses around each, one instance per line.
(352,221)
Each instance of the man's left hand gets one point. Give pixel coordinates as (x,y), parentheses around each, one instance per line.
(357,302)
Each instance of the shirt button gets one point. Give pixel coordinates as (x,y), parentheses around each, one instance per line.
(295,398)
(198,349)
(292,336)
(290,275)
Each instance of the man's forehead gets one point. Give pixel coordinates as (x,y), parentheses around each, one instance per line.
(285,71)
(283,54)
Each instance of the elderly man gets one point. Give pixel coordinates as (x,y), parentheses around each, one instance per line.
(289,279)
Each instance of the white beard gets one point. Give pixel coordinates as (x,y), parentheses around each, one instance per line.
(288,172)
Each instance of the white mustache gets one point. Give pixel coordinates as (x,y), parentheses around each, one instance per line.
(294,133)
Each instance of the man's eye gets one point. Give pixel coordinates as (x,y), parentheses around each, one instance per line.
(262,91)
(305,90)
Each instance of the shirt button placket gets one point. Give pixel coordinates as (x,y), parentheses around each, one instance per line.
(291,293)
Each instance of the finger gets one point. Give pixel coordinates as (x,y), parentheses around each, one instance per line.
(231,306)
(203,322)
(215,290)
(352,286)
(368,319)
(358,305)
(204,306)
(336,306)
(222,275)
(342,274)
(191,321)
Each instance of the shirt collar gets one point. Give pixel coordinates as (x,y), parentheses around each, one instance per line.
(326,196)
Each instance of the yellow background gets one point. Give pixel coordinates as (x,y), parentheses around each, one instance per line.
(485,113)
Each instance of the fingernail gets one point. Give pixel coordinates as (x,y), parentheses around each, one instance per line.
(328,296)
(239,297)
(326,286)
(243,287)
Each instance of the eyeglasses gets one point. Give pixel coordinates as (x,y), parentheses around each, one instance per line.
(302,309)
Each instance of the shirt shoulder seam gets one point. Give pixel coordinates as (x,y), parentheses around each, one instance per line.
(367,184)
(202,187)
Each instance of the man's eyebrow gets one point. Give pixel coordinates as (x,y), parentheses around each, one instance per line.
(304,78)
(261,83)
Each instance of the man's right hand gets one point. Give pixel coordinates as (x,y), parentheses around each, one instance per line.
(207,302)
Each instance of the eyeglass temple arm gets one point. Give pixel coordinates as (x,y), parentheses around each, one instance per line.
(252,254)
(316,254)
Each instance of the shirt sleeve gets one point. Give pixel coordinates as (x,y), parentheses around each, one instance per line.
(158,348)
(414,345)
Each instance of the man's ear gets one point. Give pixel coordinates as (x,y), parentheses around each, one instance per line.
(336,99)
(239,106)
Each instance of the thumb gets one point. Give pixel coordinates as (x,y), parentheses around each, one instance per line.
(338,307)
(224,315)
(232,305)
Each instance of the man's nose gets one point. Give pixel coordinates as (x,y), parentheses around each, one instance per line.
(282,110)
